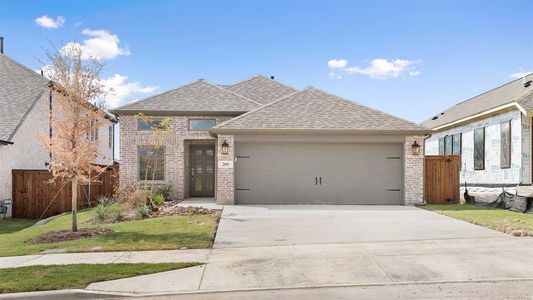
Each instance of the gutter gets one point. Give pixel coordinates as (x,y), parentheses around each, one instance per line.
(319,131)
(2,142)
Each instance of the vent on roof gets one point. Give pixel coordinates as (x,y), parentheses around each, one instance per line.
(271,77)
(435,118)
(528,83)
(2,44)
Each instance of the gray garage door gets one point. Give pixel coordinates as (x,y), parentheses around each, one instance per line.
(319,173)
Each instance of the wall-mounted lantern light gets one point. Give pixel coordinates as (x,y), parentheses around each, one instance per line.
(225,147)
(415,148)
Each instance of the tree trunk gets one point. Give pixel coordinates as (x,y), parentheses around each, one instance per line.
(75,204)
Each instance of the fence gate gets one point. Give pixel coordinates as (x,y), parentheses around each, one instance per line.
(441,182)
(34,196)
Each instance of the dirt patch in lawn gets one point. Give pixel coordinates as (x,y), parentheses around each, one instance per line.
(68,235)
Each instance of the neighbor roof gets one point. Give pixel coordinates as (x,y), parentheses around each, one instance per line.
(260,89)
(513,91)
(197,97)
(314,110)
(20,88)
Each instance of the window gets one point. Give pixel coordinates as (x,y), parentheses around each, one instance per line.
(111,136)
(441,146)
(505,144)
(448,145)
(148,125)
(201,124)
(93,134)
(151,163)
(479,149)
(457,144)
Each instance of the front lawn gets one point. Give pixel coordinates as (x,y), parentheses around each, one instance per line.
(172,232)
(44,278)
(499,219)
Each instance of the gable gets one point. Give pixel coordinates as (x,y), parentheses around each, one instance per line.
(315,110)
(197,97)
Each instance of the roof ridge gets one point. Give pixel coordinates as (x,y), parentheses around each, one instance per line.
(231,92)
(339,98)
(258,109)
(261,76)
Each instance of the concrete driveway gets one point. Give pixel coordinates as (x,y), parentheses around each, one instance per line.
(251,226)
(295,247)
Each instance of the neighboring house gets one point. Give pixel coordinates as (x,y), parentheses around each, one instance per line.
(25,101)
(262,142)
(492,134)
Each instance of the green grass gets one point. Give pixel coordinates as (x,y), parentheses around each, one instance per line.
(494,218)
(193,232)
(12,225)
(44,278)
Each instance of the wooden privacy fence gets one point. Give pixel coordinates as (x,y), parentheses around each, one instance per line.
(34,196)
(441,179)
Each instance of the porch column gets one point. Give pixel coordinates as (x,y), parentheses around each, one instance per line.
(413,171)
(225,182)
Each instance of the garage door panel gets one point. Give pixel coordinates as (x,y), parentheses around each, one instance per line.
(350,173)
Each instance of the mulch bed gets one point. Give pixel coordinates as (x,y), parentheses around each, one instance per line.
(68,235)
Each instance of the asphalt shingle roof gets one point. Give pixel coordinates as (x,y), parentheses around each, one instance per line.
(260,89)
(20,88)
(510,92)
(199,96)
(313,109)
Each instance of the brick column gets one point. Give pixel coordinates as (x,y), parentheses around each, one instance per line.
(225,181)
(413,171)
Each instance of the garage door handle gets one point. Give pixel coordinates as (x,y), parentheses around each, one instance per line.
(316,180)
(320,180)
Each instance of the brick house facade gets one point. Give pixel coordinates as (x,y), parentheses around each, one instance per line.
(242,118)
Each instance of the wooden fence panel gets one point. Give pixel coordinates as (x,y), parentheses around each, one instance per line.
(34,196)
(441,182)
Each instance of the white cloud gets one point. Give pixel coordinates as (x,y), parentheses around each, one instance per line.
(378,68)
(120,90)
(520,74)
(102,45)
(337,63)
(50,23)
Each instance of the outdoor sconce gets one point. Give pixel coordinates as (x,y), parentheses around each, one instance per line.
(225,147)
(415,148)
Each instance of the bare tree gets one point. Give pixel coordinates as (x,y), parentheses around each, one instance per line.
(75,116)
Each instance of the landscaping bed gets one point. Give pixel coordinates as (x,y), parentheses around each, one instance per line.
(510,222)
(44,278)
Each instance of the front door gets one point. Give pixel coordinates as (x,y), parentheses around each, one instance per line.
(202,171)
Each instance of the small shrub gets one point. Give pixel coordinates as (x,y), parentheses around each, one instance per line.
(100,212)
(136,199)
(143,212)
(115,212)
(165,191)
(106,201)
(158,200)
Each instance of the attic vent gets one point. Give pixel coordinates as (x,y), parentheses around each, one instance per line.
(272,77)
(435,118)
(528,83)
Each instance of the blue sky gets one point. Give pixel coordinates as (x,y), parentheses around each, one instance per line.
(408,58)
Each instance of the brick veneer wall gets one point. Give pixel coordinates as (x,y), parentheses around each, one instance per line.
(175,150)
(225,178)
(413,171)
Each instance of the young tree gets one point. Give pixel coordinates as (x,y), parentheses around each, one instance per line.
(160,131)
(75,115)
